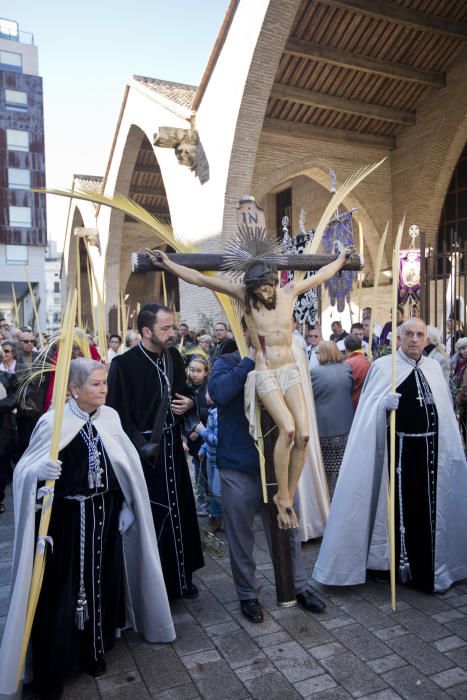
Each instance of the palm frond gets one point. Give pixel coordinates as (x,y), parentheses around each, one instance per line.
(343,191)
(379,260)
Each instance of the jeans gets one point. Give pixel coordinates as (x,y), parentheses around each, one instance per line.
(214,489)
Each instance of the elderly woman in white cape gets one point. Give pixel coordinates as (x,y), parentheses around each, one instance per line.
(103,571)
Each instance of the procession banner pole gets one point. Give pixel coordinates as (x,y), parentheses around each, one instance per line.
(392,423)
(34,307)
(78,284)
(15,302)
(360,274)
(58,404)
(379,260)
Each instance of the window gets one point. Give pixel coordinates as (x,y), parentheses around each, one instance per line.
(17,140)
(9,28)
(11,60)
(284,208)
(16,99)
(16,254)
(57,287)
(20,216)
(19,179)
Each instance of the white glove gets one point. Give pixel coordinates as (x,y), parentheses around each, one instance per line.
(50,471)
(125,519)
(391,401)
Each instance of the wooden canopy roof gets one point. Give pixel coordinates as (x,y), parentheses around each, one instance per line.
(356,70)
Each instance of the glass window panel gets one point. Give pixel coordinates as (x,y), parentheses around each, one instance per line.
(19,179)
(17,140)
(16,98)
(450,207)
(16,254)
(11,59)
(20,216)
(9,28)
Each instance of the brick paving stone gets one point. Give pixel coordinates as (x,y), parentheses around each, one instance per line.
(160,668)
(293,661)
(303,627)
(458,627)
(386,608)
(390,633)
(375,592)
(459,657)
(182,692)
(337,693)
(337,622)
(459,692)
(361,642)
(214,679)
(315,685)
(458,601)
(271,686)
(191,638)
(269,640)
(325,650)
(112,682)
(420,654)
(420,624)
(448,616)
(222,628)
(222,588)
(254,629)
(238,648)
(446,679)
(386,663)
(387,694)
(345,597)
(120,658)
(255,670)
(412,685)
(354,675)
(82,687)
(449,643)
(367,615)
(428,603)
(207,611)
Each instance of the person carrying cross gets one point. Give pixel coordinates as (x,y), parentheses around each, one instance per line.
(268,316)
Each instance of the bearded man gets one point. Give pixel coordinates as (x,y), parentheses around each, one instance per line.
(431,479)
(276,378)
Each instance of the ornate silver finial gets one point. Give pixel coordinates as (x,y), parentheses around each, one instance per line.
(332,181)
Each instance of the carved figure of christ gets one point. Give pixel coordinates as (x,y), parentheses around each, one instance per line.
(269,319)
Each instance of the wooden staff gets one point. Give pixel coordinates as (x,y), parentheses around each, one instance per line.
(164,289)
(34,307)
(100,311)
(379,259)
(360,275)
(392,423)
(78,285)
(58,404)
(15,302)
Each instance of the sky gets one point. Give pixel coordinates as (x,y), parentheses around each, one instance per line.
(88,50)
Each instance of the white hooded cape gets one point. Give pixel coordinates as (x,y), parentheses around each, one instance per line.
(357,534)
(146,602)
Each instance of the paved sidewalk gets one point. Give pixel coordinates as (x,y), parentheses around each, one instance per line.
(358,648)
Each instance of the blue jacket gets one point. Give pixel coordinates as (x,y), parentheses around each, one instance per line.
(235,446)
(209,435)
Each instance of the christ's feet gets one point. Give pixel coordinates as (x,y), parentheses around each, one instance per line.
(286,517)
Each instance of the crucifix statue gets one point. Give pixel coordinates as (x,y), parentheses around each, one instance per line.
(268,314)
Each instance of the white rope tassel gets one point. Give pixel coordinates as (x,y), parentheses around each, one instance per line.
(81,611)
(405,572)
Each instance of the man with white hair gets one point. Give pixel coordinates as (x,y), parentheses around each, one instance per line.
(431,479)
(435,349)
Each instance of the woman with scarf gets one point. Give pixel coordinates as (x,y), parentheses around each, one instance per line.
(103,571)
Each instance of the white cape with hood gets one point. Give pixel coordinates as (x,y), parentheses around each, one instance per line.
(357,534)
(146,602)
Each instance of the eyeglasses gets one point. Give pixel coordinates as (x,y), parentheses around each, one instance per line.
(9,351)
(28,341)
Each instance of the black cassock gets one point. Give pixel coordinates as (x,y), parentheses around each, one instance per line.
(136,384)
(416,476)
(60,649)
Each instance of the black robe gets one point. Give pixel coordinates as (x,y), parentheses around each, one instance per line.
(417,415)
(60,649)
(135,391)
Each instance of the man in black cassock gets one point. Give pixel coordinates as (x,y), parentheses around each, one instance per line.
(145,377)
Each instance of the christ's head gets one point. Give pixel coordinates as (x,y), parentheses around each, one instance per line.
(260,281)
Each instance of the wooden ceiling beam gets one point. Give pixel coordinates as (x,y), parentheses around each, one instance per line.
(380,9)
(154,169)
(313,50)
(341,104)
(310,131)
(148,191)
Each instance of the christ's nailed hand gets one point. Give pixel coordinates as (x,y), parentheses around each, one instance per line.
(157,257)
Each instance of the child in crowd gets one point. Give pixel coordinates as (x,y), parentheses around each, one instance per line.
(198,374)
(209,452)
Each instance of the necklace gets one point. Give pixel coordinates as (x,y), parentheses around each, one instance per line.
(92,442)
(159,369)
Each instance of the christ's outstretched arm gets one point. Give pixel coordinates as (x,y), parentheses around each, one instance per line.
(324,273)
(161,260)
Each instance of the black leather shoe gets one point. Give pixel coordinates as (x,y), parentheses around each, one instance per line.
(310,602)
(98,668)
(192,593)
(251,609)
